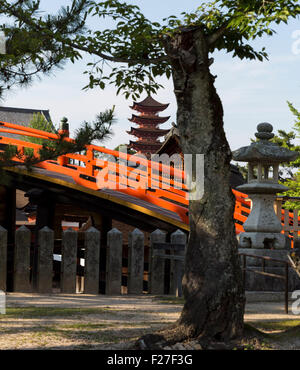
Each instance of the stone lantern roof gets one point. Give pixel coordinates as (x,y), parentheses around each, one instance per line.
(263,150)
(263,158)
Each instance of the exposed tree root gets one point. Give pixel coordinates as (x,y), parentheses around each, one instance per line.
(162,338)
(176,334)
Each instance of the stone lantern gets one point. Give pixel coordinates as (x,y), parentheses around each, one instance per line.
(262,227)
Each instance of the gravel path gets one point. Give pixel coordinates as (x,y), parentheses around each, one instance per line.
(255,311)
(98,321)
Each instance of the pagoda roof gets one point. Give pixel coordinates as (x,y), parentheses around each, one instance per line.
(150,119)
(143,145)
(142,130)
(149,104)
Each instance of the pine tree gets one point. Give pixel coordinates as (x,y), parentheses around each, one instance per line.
(87,133)
(292,169)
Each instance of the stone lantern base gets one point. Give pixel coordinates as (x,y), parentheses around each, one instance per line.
(262,240)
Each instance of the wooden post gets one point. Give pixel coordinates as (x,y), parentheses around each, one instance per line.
(177,267)
(286,288)
(45,260)
(286,226)
(135,262)
(89,165)
(296,227)
(103,223)
(8,221)
(3,258)
(156,265)
(244,271)
(69,261)
(45,201)
(22,260)
(114,262)
(92,261)
(8,211)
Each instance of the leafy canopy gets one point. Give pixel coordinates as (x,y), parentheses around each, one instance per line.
(36,44)
(293,168)
(290,141)
(39,122)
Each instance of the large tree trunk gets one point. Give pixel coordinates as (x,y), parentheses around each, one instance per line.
(212,283)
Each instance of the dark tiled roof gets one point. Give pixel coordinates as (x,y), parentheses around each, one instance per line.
(20,116)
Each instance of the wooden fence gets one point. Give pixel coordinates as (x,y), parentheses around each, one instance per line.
(37,274)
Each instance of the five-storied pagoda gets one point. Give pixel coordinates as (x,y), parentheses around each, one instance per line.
(148,122)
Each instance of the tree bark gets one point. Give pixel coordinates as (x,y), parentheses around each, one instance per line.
(212,283)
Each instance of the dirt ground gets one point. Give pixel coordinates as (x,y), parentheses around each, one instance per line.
(60,321)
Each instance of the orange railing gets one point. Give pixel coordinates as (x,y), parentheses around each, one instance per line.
(146,182)
(241,210)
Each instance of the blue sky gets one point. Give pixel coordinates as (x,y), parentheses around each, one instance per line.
(251,92)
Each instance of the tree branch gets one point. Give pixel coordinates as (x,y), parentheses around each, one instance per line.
(37,28)
(117,59)
(217,34)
